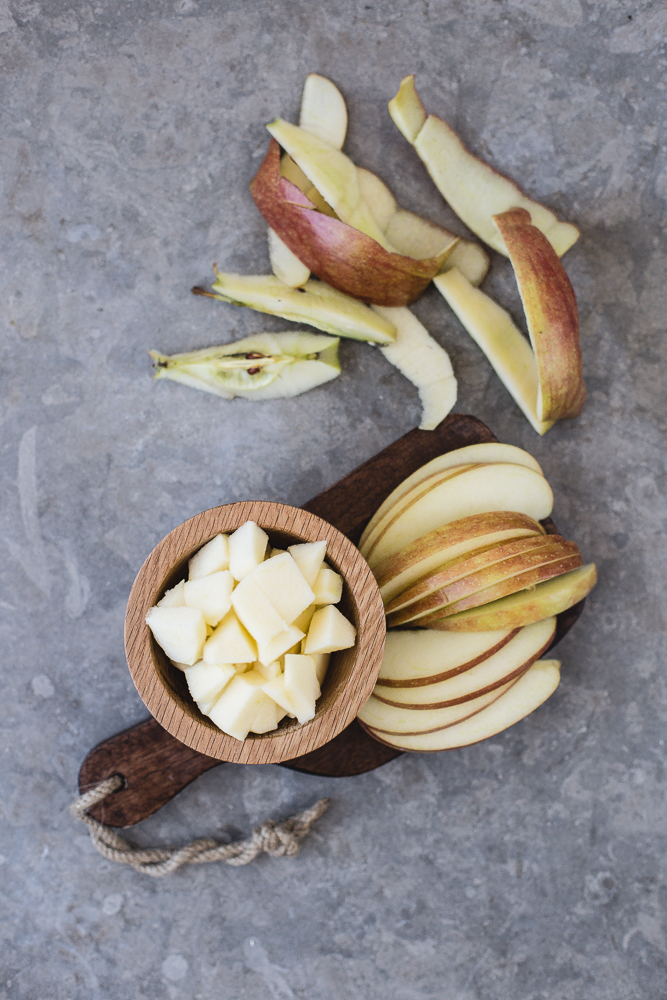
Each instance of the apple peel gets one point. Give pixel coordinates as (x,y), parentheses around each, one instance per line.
(473,189)
(551,313)
(339,254)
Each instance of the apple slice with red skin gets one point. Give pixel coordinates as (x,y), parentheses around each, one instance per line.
(526,580)
(401,720)
(418,657)
(551,313)
(523,696)
(428,553)
(482,453)
(505,665)
(339,254)
(483,565)
(525,607)
(509,576)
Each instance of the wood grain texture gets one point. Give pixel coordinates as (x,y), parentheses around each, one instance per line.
(156,766)
(351,674)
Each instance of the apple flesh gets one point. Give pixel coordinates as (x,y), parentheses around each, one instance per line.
(451,541)
(526,580)
(417,657)
(507,663)
(479,565)
(522,697)
(323,110)
(355,262)
(494,331)
(524,608)
(475,490)
(474,190)
(551,313)
(483,453)
(424,362)
(285,264)
(400,720)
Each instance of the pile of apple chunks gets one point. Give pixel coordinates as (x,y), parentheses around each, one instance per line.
(252,628)
(340,222)
(466,568)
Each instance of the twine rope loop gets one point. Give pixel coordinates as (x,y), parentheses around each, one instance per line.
(279,840)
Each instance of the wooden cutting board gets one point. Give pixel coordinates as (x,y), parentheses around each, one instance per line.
(156,766)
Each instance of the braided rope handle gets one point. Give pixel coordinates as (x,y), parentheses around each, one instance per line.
(277,839)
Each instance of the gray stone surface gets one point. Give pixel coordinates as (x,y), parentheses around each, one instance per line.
(529,866)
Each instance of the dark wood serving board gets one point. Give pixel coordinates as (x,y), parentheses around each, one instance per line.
(156,766)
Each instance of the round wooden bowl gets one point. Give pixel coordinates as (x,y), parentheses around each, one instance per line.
(352,672)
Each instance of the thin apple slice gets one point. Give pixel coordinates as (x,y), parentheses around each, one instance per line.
(482,488)
(494,331)
(423,362)
(429,552)
(507,663)
(492,581)
(474,190)
(417,657)
(495,561)
(368,544)
(343,256)
(317,304)
(551,313)
(526,607)
(525,695)
(396,721)
(285,264)
(527,580)
(323,110)
(332,173)
(485,452)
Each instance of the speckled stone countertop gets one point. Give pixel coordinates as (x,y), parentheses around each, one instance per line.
(530,866)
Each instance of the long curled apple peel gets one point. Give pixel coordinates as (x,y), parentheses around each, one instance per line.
(551,313)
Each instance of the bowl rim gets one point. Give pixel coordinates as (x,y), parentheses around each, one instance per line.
(170,556)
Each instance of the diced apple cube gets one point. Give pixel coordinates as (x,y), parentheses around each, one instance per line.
(268,717)
(211,558)
(247,546)
(230,643)
(206,680)
(211,594)
(173,598)
(283,583)
(301,685)
(236,709)
(181,632)
(276,690)
(179,666)
(305,618)
(328,587)
(268,670)
(256,611)
(280,644)
(329,631)
(309,557)
(321,664)
(276,552)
